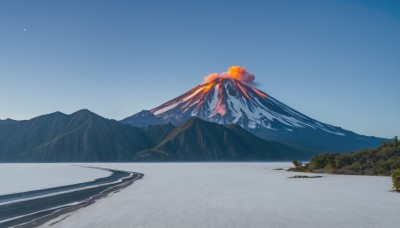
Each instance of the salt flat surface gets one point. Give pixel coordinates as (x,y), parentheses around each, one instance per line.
(240,195)
(20,177)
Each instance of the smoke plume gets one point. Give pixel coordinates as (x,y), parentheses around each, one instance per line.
(234,72)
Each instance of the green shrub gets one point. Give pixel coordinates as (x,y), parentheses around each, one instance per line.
(322,160)
(381,160)
(396,179)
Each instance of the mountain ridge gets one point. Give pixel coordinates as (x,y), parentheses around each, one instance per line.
(8,121)
(208,141)
(230,101)
(84,136)
(81,136)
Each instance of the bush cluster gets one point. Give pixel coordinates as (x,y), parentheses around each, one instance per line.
(381,161)
(396,180)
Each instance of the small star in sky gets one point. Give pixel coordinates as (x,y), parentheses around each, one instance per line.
(24,29)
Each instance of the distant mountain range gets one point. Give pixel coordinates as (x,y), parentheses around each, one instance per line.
(224,119)
(87,137)
(229,101)
(7,121)
(81,136)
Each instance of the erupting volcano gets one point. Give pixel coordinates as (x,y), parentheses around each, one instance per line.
(222,100)
(231,98)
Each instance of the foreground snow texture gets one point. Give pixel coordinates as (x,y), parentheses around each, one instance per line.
(16,178)
(240,195)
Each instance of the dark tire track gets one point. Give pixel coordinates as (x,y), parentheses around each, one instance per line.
(52,202)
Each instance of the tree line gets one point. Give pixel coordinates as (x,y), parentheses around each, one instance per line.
(381,161)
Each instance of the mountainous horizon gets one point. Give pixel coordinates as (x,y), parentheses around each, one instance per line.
(84,136)
(232,119)
(81,136)
(7,121)
(231,98)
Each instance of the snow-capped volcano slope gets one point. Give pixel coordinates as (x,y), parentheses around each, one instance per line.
(230,101)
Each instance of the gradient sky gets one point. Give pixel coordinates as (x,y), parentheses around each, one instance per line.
(335,61)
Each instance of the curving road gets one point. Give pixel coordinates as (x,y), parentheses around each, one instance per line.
(33,208)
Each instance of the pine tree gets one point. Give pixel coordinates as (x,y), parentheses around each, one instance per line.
(396,179)
(395,142)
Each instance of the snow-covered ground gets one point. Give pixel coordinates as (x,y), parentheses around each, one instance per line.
(240,195)
(16,178)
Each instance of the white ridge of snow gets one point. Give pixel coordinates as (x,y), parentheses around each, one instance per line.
(237,117)
(193,94)
(252,124)
(162,110)
(333,132)
(214,100)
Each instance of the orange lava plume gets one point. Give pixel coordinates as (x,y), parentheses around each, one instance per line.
(234,72)
(206,88)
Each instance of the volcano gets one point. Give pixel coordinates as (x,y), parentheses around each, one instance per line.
(229,100)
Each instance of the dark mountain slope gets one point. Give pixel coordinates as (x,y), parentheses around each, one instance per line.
(86,137)
(82,136)
(8,121)
(317,141)
(143,119)
(199,140)
(156,133)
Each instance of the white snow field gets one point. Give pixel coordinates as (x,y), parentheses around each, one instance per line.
(20,177)
(239,195)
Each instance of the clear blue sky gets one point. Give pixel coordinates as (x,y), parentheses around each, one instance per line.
(335,61)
